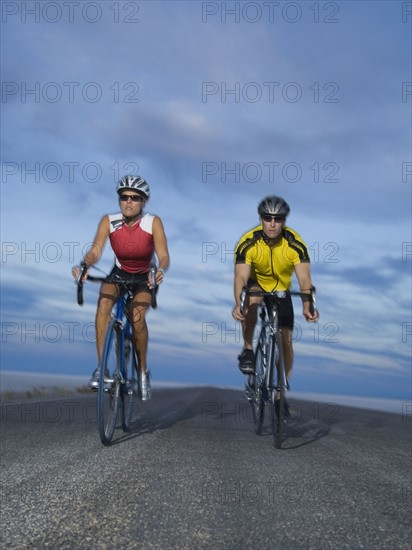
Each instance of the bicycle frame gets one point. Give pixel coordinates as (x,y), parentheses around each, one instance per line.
(123,322)
(271,325)
(270,348)
(118,385)
(269,382)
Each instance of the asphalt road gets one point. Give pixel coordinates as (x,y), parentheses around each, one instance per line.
(193,474)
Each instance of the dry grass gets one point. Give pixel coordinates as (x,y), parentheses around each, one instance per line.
(42,391)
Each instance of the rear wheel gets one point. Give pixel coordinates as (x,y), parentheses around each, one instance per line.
(108,397)
(278,394)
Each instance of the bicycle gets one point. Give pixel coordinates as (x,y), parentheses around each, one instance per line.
(268,384)
(118,383)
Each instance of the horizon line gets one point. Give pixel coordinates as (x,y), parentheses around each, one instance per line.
(13,382)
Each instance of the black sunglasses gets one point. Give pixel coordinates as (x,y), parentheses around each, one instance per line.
(133,198)
(269,218)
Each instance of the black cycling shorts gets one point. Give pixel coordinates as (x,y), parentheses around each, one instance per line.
(286,314)
(137,282)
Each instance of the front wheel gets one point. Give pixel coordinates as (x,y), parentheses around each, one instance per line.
(108,397)
(258,402)
(278,395)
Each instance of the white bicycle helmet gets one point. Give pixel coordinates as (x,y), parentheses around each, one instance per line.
(274,206)
(135,183)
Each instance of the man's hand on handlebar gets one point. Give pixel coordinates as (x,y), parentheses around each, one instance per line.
(309,313)
(237,315)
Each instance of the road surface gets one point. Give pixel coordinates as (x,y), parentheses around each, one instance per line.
(193,474)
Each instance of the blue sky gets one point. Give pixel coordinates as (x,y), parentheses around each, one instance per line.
(216,105)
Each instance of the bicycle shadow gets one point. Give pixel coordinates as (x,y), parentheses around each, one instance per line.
(309,422)
(139,427)
(297,435)
(151,420)
(145,426)
(299,432)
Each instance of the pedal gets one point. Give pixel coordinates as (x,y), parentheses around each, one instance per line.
(248,394)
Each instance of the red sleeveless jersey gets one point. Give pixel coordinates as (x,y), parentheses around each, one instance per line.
(133,247)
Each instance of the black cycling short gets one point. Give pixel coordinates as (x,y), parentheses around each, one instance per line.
(285,308)
(137,282)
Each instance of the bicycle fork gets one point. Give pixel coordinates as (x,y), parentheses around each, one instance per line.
(269,386)
(123,333)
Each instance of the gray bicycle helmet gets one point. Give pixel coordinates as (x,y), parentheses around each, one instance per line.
(135,183)
(274,206)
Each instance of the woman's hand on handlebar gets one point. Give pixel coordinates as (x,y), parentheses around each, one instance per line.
(158,276)
(77,271)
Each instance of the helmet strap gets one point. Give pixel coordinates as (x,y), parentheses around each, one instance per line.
(272,242)
(131,219)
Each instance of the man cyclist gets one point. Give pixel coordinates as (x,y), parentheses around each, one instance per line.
(134,237)
(265,259)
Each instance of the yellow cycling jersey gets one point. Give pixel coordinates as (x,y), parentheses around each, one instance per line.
(272,265)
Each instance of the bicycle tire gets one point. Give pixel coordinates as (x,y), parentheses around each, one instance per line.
(278,394)
(258,403)
(129,391)
(108,397)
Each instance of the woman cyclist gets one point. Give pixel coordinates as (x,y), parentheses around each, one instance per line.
(135,236)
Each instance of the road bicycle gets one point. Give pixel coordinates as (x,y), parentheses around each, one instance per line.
(118,369)
(268,384)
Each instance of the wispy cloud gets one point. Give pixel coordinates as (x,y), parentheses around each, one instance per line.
(216,112)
